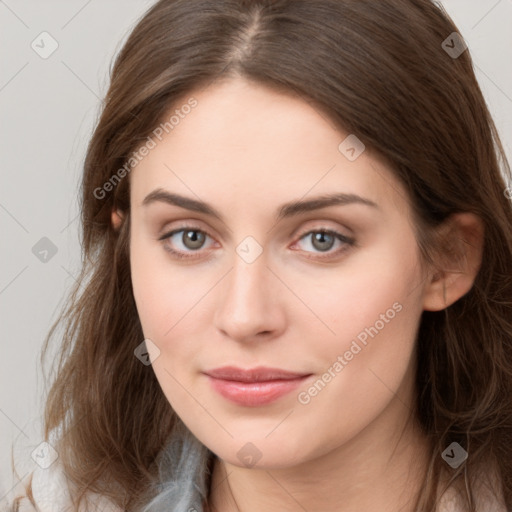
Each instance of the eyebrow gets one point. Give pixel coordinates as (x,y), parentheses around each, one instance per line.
(290,209)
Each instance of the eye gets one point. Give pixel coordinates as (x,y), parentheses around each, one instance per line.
(323,240)
(186,239)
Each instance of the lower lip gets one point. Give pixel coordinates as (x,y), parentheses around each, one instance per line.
(253,394)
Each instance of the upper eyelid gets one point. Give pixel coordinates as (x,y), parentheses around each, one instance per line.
(302,233)
(197,223)
(190,225)
(342,224)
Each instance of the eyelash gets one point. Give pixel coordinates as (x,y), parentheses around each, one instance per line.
(342,238)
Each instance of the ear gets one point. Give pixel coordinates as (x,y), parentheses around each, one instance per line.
(116,218)
(461,259)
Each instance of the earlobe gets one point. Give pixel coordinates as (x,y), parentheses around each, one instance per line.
(462,262)
(116,219)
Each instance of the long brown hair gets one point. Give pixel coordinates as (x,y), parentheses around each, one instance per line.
(376,69)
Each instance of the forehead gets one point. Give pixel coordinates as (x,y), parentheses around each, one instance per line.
(246,145)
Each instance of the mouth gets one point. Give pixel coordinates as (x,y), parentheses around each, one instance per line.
(254,387)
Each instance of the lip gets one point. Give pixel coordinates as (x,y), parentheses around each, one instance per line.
(256,386)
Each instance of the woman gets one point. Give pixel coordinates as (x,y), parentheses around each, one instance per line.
(296,292)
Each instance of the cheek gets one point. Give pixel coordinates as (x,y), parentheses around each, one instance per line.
(374,309)
(172,303)
(365,291)
(162,293)
(371,308)
(167,305)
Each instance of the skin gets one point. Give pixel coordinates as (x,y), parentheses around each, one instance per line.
(246,149)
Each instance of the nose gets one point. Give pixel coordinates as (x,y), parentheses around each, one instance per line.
(249,307)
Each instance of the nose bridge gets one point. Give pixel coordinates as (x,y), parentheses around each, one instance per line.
(249,268)
(246,305)
(247,280)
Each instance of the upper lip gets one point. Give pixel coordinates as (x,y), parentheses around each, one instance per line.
(259,374)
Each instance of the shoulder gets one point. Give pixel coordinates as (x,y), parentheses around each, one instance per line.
(50,492)
(488,497)
(451,501)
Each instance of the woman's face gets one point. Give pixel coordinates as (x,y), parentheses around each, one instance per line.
(258,285)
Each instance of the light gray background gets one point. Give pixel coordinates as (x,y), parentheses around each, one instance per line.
(48,109)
